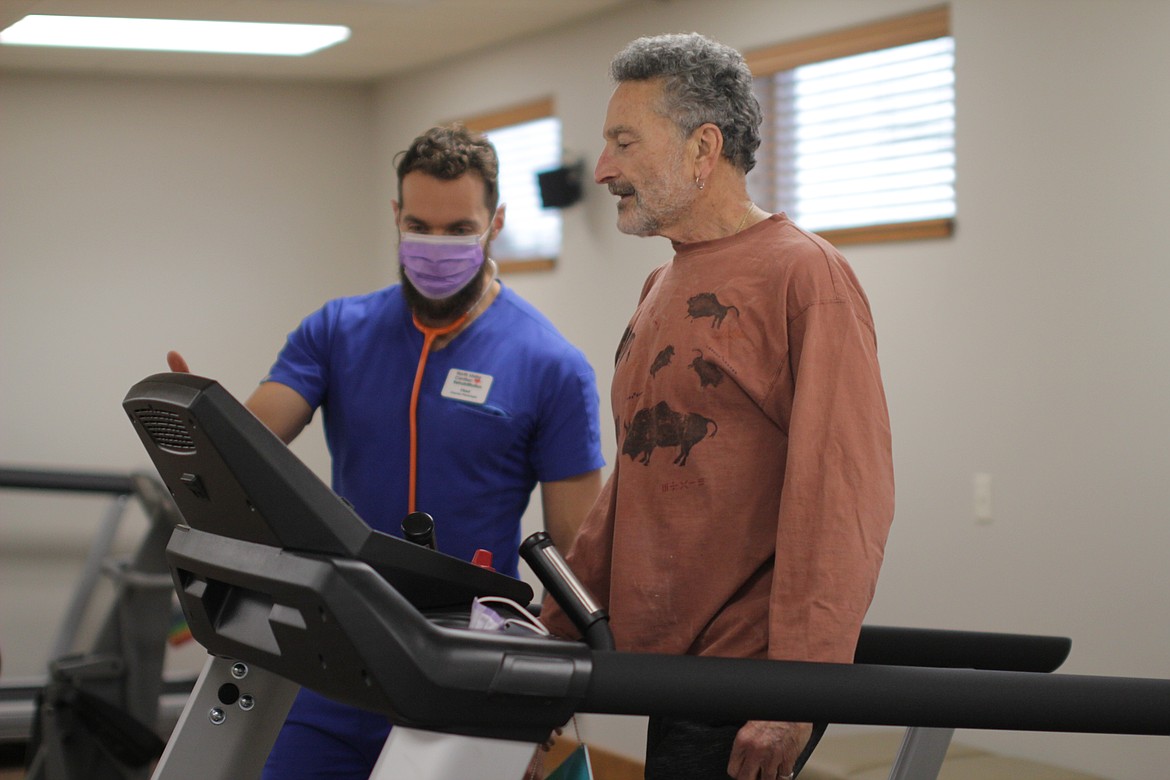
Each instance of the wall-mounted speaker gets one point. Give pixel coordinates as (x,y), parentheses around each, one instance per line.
(561,187)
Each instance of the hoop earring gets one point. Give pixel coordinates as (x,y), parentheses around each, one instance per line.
(698,183)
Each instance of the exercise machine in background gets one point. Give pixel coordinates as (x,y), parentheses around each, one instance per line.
(285,586)
(96,717)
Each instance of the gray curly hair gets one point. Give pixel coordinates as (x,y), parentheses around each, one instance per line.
(704,81)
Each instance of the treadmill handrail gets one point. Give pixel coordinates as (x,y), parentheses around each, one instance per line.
(486,684)
(67,481)
(951,649)
(758,689)
(335,625)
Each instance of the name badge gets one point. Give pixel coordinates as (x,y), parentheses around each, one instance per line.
(466,386)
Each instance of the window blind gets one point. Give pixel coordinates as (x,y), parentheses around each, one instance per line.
(525,149)
(861,140)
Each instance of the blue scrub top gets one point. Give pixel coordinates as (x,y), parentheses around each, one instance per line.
(481,451)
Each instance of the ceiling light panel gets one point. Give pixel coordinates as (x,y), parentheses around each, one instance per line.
(100,32)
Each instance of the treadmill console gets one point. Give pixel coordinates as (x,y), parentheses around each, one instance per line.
(230,476)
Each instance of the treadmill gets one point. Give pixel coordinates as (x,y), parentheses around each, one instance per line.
(286,586)
(96,713)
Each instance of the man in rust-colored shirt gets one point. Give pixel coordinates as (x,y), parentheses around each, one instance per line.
(748,510)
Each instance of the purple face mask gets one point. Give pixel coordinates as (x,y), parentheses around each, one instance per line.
(440,266)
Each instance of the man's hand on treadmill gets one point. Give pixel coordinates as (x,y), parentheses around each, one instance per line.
(176,363)
(767,749)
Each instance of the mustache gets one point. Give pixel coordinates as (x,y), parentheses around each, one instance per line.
(620,188)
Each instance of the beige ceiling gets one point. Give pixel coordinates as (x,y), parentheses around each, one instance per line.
(388,36)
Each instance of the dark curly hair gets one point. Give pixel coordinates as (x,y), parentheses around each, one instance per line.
(448,152)
(703,81)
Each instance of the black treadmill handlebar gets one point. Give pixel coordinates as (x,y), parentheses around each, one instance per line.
(338,627)
(590,618)
(335,625)
(737,688)
(950,649)
(67,481)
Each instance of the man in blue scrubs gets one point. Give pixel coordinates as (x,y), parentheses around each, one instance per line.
(446,394)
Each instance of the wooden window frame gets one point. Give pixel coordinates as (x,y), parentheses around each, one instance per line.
(898,31)
(540,108)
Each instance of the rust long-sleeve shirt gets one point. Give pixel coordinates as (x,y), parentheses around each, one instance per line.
(748,510)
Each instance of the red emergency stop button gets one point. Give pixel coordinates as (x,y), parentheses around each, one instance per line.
(482,559)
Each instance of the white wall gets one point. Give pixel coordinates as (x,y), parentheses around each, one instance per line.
(1033,345)
(138,216)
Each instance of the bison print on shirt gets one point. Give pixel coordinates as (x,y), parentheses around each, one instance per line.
(707,305)
(661,426)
